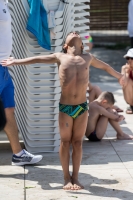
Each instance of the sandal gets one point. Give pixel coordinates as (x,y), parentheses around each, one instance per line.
(117,109)
(129,110)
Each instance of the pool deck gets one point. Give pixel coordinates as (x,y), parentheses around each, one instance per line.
(106,170)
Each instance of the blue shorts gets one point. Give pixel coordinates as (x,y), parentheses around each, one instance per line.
(6,88)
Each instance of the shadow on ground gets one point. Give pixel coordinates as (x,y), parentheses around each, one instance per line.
(50,179)
(112,57)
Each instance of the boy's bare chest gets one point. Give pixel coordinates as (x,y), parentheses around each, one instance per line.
(74,66)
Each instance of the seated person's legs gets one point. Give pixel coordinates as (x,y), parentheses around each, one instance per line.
(128,91)
(99,131)
(100,112)
(127,71)
(119,132)
(94,92)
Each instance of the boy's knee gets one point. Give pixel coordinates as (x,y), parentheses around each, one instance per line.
(65,143)
(77,143)
(112,110)
(97,88)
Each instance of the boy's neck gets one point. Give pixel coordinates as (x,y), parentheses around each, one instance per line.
(74,51)
(99,102)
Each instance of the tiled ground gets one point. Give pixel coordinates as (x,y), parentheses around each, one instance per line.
(106,169)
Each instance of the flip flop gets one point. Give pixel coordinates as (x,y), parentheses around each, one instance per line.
(118,109)
(129,110)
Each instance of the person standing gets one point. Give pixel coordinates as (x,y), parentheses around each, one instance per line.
(73,67)
(130,21)
(20,156)
(127,70)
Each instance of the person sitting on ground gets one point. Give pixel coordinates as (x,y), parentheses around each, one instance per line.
(94,91)
(127,70)
(100,113)
(73,67)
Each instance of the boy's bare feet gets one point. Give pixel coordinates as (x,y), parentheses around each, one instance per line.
(124,136)
(68,185)
(77,185)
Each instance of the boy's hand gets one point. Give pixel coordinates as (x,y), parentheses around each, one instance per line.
(123,80)
(8,62)
(121,118)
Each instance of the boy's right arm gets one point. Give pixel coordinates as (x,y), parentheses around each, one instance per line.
(31,60)
(109,115)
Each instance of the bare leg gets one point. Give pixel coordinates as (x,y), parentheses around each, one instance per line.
(12,130)
(79,129)
(101,126)
(120,134)
(128,92)
(94,92)
(65,124)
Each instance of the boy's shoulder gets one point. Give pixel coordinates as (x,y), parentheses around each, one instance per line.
(95,105)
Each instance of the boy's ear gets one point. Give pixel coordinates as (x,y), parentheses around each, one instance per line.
(82,47)
(104,101)
(65,46)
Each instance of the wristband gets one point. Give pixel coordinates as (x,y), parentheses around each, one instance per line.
(89,38)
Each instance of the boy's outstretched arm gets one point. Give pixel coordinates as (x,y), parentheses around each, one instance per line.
(104,66)
(31,60)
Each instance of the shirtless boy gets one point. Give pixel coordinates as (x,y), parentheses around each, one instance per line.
(100,112)
(94,91)
(73,68)
(127,70)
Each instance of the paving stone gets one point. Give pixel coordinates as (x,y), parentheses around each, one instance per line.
(106,170)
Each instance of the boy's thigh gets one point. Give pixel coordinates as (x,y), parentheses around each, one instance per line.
(65,126)
(101,126)
(79,126)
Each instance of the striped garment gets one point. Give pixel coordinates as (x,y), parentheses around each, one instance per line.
(73,110)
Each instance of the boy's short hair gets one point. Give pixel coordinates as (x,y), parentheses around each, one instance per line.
(107,96)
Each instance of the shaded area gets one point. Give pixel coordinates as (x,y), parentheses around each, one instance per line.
(111,57)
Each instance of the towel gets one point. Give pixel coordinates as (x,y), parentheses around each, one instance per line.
(51,19)
(37,23)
